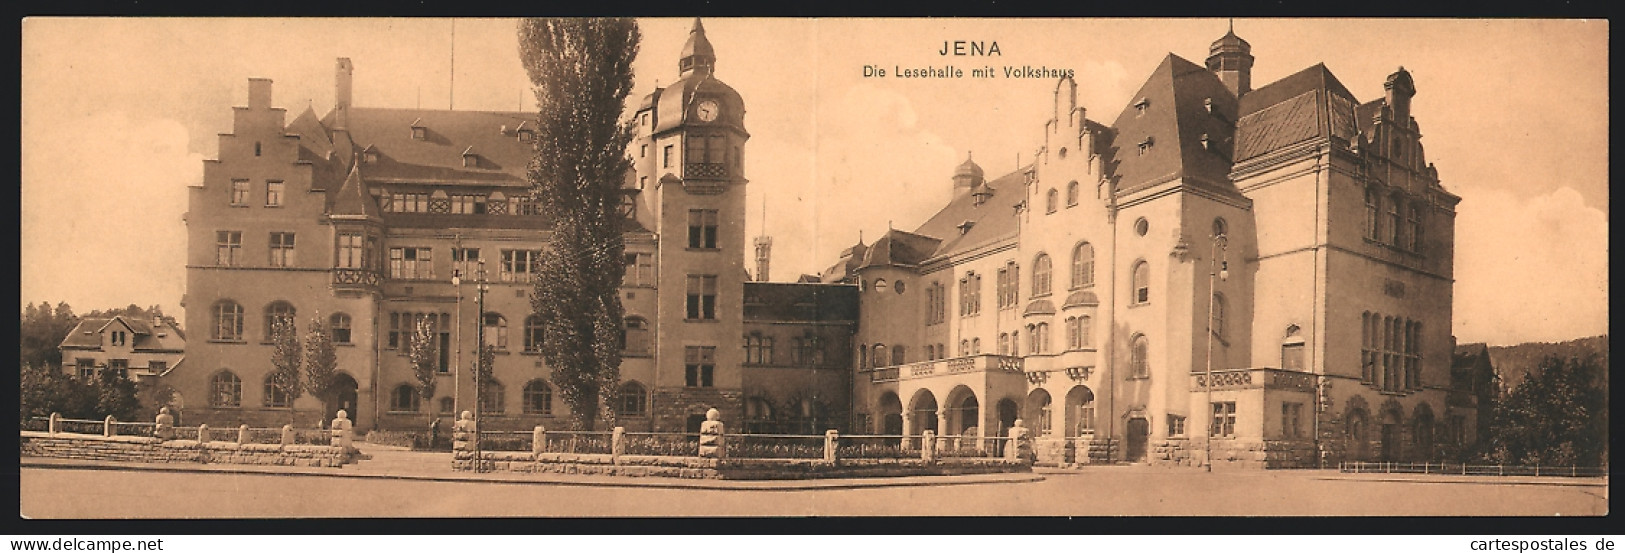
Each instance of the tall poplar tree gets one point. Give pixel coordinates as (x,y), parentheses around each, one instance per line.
(582,73)
(287,357)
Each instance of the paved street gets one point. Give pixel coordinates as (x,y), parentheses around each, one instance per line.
(65,491)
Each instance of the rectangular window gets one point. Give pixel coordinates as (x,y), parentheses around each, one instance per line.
(699,365)
(402,202)
(666,161)
(1176,426)
(1224,420)
(281,249)
(702,229)
(411,263)
(468,204)
(640,269)
(157,367)
(273,193)
(120,367)
(349,252)
(228,247)
(1291,420)
(394,330)
(702,297)
(1371,209)
(1292,357)
(239,193)
(465,262)
(517,265)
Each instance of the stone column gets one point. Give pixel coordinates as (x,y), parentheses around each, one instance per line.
(242,434)
(831,439)
(107,426)
(942,427)
(538,440)
(203,433)
(713,444)
(928,446)
(55,419)
(908,428)
(617,444)
(287,435)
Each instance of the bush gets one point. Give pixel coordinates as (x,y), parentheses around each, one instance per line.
(417,440)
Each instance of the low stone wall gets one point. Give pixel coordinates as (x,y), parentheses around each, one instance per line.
(153,450)
(1252,454)
(729,469)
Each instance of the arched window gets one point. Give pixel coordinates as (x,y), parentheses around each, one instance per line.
(339,327)
(533,333)
(1139,357)
(1142,283)
(226,390)
(1041,272)
(1050,199)
(1032,339)
(1220,228)
(1083,266)
(964,348)
(492,401)
(404,399)
(637,336)
(1072,193)
(496,331)
(274,396)
(880,355)
(1045,413)
(277,311)
(930,352)
(228,321)
(1218,315)
(538,398)
(630,400)
(975,346)
(1372,199)
(1004,343)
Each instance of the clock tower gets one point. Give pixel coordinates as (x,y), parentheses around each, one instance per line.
(690,181)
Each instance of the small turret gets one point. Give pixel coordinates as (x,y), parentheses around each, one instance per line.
(697,56)
(1397,92)
(967,176)
(1231,58)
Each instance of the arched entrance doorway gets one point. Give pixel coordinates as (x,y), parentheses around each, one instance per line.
(1392,428)
(1080,422)
(1422,433)
(343,396)
(1039,412)
(922,415)
(1007,411)
(1358,447)
(890,411)
(963,412)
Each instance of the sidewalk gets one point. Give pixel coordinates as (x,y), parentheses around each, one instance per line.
(405,464)
(1334,474)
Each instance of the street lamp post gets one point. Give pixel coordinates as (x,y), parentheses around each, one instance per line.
(480,287)
(457,364)
(1217,270)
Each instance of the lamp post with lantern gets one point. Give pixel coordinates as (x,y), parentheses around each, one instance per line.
(481,286)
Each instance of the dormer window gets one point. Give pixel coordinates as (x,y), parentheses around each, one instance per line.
(470,159)
(524,132)
(964,228)
(1145,145)
(419,132)
(1141,105)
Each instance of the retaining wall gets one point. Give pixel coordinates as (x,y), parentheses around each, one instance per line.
(729,469)
(153,450)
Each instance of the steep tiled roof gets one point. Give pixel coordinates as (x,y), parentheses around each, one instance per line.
(1289,111)
(994,218)
(1174,118)
(86,334)
(898,247)
(438,157)
(144,337)
(1468,354)
(352,198)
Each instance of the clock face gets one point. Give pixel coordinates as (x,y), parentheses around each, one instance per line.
(709,110)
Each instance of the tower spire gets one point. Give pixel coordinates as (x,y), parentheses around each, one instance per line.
(764,246)
(697,56)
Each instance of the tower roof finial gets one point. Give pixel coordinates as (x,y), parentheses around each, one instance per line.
(697,52)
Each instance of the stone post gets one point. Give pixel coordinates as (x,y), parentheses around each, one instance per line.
(831,438)
(928,446)
(287,435)
(55,419)
(617,444)
(164,425)
(942,426)
(538,440)
(713,443)
(462,432)
(1020,447)
(203,433)
(107,426)
(341,430)
(908,429)
(242,434)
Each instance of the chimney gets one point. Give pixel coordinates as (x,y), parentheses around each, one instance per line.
(1397,92)
(341,93)
(259,93)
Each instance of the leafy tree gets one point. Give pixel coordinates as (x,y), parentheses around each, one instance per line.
(116,396)
(286,358)
(45,390)
(321,361)
(1558,415)
(41,331)
(423,352)
(582,72)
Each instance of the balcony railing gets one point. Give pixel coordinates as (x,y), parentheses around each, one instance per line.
(355,278)
(956,365)
(1250,378)
(705,170)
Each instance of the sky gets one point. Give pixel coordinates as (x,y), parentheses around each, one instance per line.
(119,113)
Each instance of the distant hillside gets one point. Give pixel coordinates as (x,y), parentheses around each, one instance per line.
(1515,362)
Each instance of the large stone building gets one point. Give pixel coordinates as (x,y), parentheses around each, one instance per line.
(1075,292)
(362,218)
